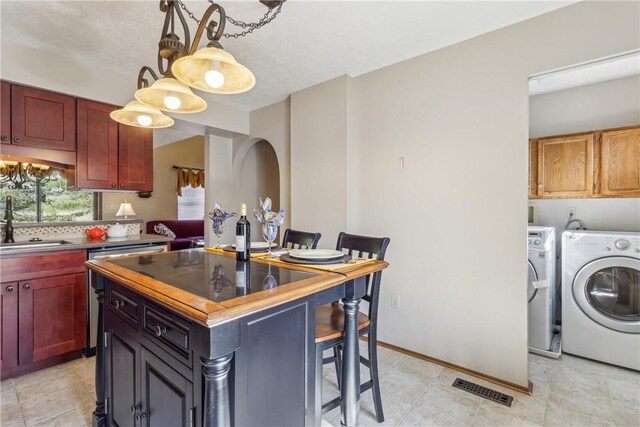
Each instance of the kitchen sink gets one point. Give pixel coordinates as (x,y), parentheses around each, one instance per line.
(30,244)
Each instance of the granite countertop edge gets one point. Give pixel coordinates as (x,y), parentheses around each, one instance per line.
(72,223)
(85,243)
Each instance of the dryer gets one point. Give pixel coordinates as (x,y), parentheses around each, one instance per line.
(601,296)
(541,288)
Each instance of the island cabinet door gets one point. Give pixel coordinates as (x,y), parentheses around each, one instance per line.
(9,325)
(124,393)
(52,316)
(167,397)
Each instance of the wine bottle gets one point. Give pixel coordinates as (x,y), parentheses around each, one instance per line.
(243,235)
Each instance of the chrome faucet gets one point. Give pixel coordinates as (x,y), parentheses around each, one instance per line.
(8,217)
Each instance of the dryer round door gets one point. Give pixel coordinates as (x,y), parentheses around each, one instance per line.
(608,291)
(532,277)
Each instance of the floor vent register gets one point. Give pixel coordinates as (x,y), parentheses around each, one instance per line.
(487,393)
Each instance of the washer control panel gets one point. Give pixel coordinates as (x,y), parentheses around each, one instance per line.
(536,239)
(609,245)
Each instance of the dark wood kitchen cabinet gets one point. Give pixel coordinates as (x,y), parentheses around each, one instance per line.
(135,158)
(42,119)
(9,325)
(43,310)
(112,156)
(97,153)
(5,112)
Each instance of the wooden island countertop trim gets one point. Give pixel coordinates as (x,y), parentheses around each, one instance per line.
(209,313)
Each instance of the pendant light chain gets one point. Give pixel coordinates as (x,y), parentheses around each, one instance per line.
(246,27)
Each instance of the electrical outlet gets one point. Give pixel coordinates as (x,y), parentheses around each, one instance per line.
(112,207)
(395,303)
(571,212)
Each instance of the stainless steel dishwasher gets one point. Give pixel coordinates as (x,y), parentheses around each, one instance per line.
(92,298)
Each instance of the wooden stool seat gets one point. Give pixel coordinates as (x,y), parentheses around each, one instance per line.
(330,322)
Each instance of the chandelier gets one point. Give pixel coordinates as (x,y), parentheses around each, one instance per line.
(182,66)
(20,174)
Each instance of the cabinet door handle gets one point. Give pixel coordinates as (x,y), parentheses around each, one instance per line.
(10,288)
(5,138)
(122,185)
(539,185)
(26,286)
(17,140)
(118,303)
(114,185)
(160,330)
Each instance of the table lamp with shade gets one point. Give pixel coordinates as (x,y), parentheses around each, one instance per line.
(120,230)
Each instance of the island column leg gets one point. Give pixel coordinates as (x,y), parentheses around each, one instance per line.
(99,415)
(217,407)
(350,391)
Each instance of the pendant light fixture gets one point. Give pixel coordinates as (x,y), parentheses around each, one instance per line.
(138,114)
(183,66)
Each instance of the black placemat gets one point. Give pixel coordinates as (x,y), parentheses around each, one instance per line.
(230,248)
(288,258)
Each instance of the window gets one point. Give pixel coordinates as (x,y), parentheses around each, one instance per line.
(49,201)
(191,203)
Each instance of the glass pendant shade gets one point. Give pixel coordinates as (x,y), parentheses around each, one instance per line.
(168,94)
(192,70)
(139,115)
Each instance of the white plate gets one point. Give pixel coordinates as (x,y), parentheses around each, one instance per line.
(259,245)
(316,254)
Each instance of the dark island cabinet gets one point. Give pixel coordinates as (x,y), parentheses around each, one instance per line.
(97,154)
(42,119)
(143,389)
(9,325)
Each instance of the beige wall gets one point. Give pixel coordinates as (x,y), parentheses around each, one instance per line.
(163,204)
(610,104)
(319,141)
(456,212)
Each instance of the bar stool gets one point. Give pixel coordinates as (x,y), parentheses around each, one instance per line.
(295,239)
(330,324)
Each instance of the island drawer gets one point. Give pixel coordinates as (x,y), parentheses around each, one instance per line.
(125,303)
(168,330)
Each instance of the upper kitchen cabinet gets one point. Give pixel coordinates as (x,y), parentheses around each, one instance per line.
(565,166)
(603,163)
(42,119)
(619,168)
(97,153)
(5,112)
(135,158)
(111,156)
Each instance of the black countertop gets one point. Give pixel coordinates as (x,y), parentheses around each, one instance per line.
(211,276)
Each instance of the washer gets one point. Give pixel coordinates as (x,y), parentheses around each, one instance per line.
(541,287)
(601,296)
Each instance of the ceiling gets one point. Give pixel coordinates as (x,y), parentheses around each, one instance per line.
(308,43)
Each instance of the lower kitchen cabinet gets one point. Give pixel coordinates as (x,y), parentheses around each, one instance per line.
(143,390)
(52,316)
(44,310)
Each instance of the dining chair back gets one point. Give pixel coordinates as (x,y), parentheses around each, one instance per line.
(295,239)
(330,328)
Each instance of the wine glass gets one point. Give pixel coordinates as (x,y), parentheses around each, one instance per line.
(218,229)
(269,232)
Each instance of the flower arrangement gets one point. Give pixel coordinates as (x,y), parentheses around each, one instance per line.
(270,221)
(218,216)
(265,215)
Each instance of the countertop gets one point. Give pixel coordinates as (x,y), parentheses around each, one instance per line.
(86,243)
(212,288)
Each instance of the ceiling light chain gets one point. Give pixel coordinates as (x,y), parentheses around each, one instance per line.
(247,27)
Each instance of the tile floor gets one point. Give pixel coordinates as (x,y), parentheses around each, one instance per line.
(570,391)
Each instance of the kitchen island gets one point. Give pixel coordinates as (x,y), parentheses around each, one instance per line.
(196,338)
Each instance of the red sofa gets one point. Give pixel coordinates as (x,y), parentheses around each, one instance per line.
(187,231)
